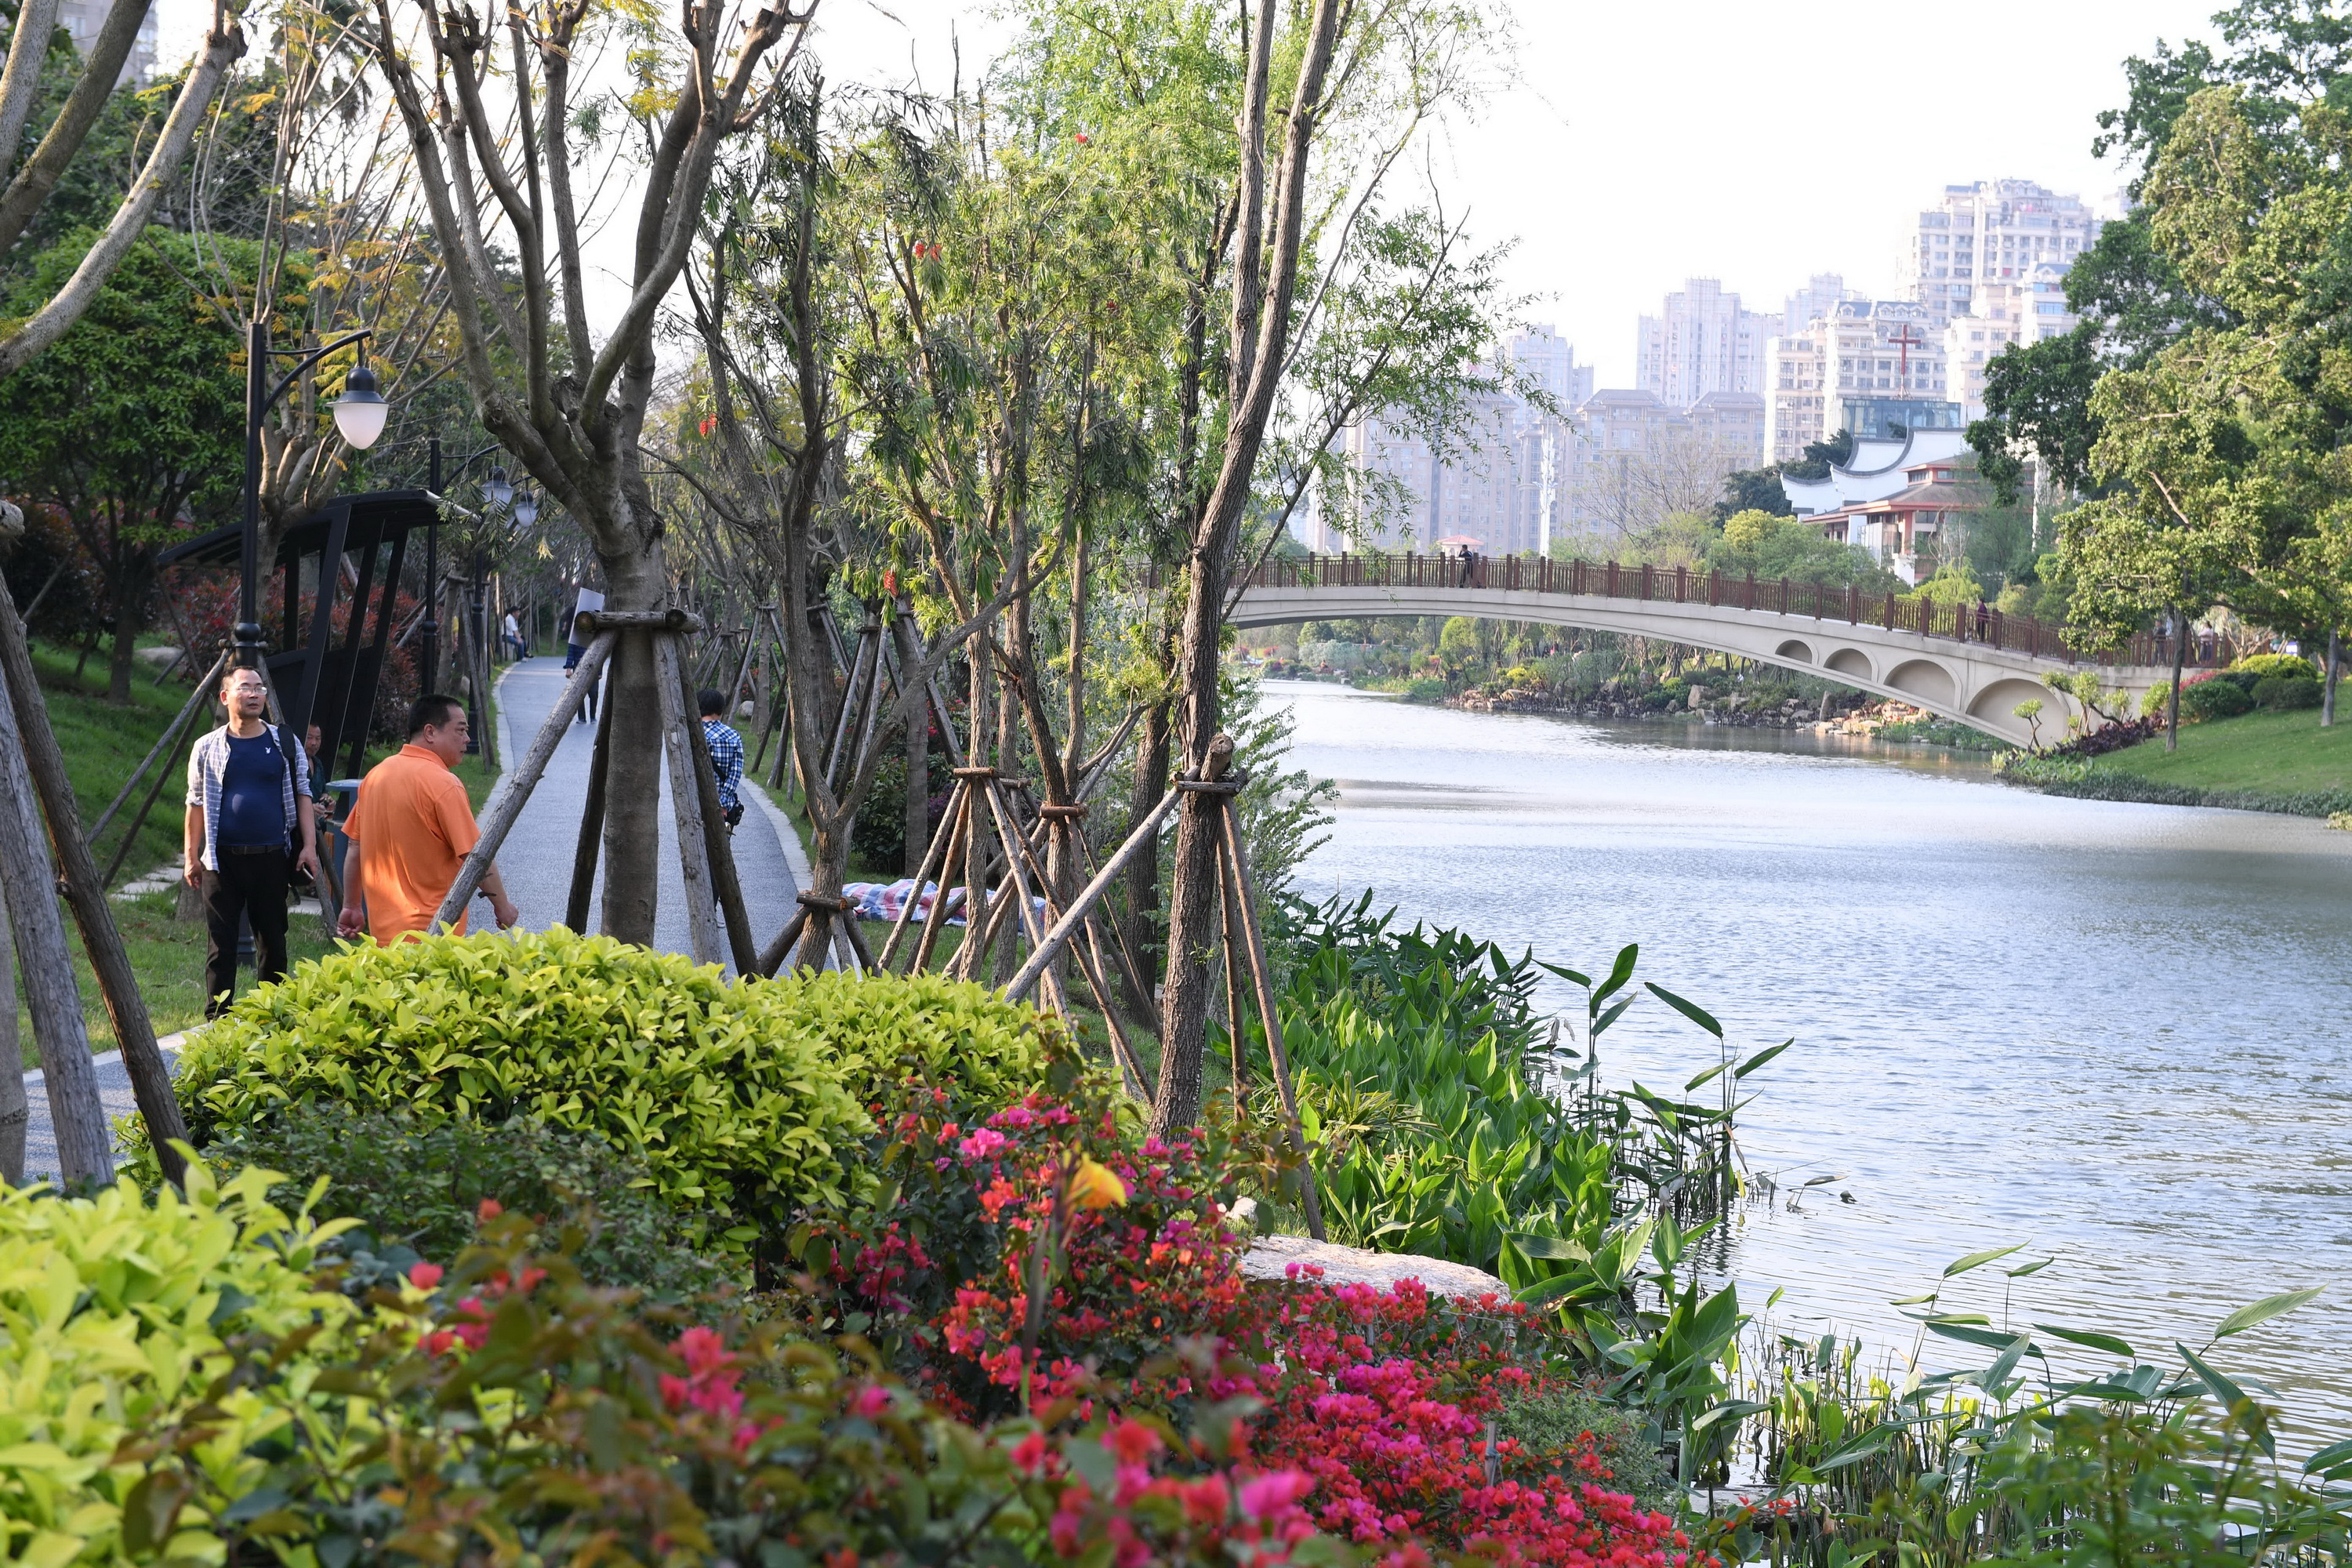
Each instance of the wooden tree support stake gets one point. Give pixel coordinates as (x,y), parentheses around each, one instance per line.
(686,805)
(1073,917)
(592,826)
(718,848)
(1236,864)
(84,1150)
(109,960)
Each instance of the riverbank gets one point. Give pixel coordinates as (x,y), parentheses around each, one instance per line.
(2262,761)
(1890,721)
(1983,985)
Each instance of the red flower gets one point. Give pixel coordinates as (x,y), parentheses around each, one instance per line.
(1133,1442)
(424,1276)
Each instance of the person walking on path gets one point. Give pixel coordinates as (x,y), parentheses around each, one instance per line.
(250,824)
(575,648)
(513,630)
(726,754)
(411,828)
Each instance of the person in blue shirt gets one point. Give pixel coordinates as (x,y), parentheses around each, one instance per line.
(250,824)
(726,753)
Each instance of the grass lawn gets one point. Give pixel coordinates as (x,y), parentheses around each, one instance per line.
(102,743)
(2256,753)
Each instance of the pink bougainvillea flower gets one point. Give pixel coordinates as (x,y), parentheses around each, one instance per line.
(1274,1491)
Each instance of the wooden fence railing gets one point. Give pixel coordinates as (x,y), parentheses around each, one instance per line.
(1975,622)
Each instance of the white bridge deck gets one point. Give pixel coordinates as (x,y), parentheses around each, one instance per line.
(1964,662)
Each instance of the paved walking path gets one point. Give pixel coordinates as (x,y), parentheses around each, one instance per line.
(536,861)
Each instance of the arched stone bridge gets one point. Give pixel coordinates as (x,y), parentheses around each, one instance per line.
(1951,660)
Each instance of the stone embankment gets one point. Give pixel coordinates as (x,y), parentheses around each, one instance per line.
(1272,1257)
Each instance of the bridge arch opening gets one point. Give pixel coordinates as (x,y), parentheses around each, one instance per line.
(1925,680)
(1850,662)
(1801,652)
(2000,699)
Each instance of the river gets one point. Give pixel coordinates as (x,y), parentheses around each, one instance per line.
(2119,1034)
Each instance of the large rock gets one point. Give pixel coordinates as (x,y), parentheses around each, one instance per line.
(1270,1257)
(157,657)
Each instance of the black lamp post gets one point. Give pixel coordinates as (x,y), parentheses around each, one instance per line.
(359,416)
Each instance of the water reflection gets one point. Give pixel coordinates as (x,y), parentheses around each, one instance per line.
(2121,1034)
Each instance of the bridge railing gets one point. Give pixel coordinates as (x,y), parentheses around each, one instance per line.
(1975,622)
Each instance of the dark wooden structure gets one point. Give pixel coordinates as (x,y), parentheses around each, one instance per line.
(321,678)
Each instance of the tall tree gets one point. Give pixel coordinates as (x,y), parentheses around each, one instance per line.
(31,182)
(569,404)
(302,200)
(129,422)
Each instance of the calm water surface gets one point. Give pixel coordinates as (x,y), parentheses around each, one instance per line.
(2121,1034)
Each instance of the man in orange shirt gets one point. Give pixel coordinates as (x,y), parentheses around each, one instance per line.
(412,828)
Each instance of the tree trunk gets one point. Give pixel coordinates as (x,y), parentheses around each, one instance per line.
(128,625)
(1143,871)
(918,790)
(2172,704)
(14,1113)
(1266,268)
(2327,689)
(85,1148)
(633,790)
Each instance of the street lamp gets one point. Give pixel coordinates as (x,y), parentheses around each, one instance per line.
(526,511)
(359,417)
(496,490)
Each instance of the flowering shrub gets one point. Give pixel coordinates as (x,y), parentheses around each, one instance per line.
(522,1415)
(1123,1249)
(1008,1284)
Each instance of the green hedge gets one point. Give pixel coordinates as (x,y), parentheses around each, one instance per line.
(748,1102)
(418,1193)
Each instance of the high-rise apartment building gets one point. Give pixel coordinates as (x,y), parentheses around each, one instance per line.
(1541,355)
(1994,231)
(1821,291)
(1866,365)
(1705,341)
(81,20)
(1502,484)
(2024,311)
(1637,460)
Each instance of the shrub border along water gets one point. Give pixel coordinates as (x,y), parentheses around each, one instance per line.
(2078,778)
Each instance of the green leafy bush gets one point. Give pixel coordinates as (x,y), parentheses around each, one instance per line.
(2260,667)
(2215,699)
(748,1102)
(416,1191)
(1554,1423)
(2282,693)
(2157,698)
(119,1320)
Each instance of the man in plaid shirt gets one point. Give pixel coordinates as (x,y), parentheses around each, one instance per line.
(726,753)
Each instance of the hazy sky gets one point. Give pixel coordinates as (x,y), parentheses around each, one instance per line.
(1755,140)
